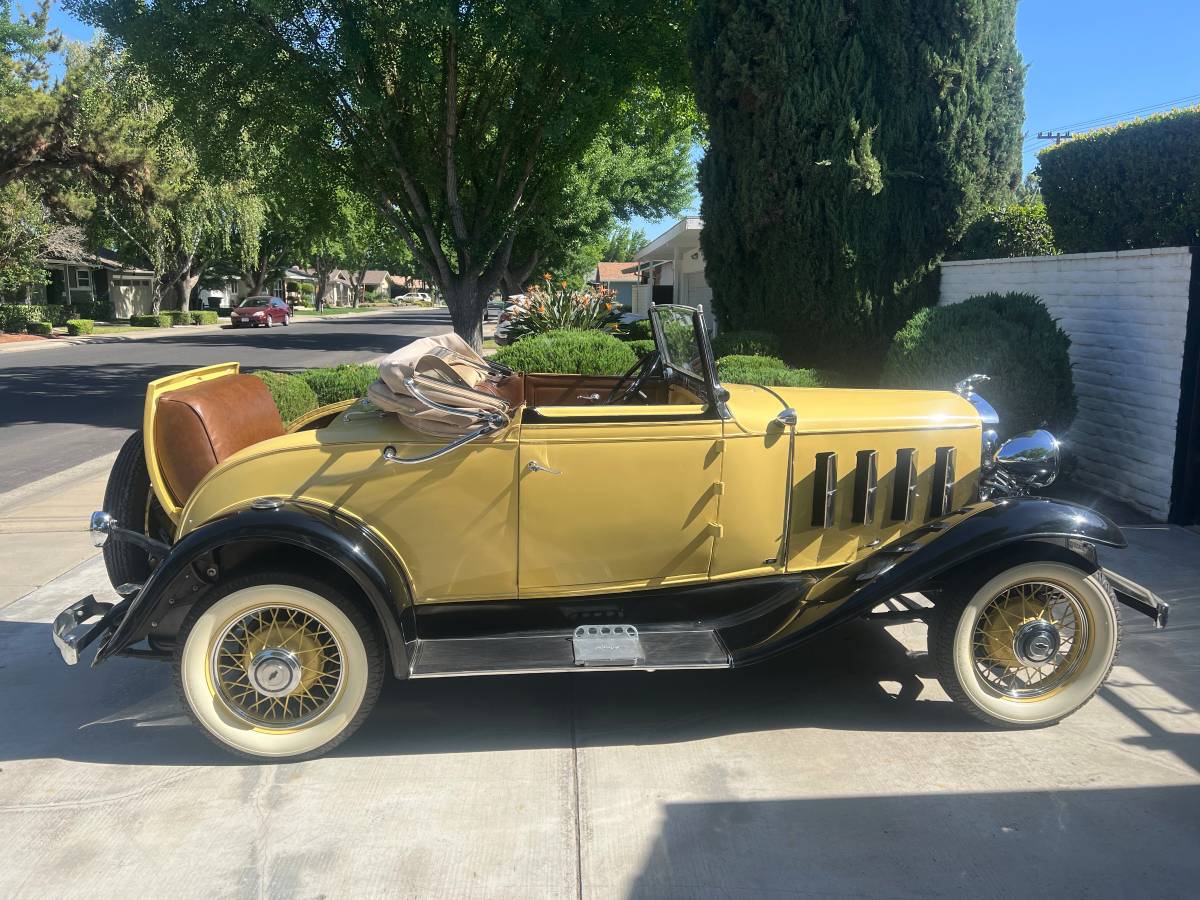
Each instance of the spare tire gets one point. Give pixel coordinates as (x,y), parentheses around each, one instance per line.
(130,499)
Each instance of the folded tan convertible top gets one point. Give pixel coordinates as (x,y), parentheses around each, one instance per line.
(433,386)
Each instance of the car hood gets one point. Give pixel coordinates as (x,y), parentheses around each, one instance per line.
(825,410)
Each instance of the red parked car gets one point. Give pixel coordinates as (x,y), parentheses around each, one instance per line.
(262,310)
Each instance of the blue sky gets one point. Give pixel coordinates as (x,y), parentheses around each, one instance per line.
(1091,62)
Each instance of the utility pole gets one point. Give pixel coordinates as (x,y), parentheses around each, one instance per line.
(1057,136)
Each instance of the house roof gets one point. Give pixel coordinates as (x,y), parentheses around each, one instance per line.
(684,235)
(101,259)
(375,276)
(615,271)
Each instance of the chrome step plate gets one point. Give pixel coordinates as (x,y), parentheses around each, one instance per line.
(657,647)
(607,645)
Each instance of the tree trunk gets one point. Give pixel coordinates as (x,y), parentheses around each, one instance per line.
(356,283)
(466,298)
(183,290)
(256,280)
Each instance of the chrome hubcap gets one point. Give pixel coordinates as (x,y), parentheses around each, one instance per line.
(274,672)
(1036,642)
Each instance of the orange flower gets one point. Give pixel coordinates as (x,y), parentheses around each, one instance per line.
(547,277)
(607,306)
(563,283)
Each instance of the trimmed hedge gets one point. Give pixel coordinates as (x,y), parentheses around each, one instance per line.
(641,348)
(203,317)
(765,370)
(179,316)
(589,352)
(1010,337)
(1130,186)
(746,343)
(344,382)
(76,327)
(159,320)
(292,395)
(14,317)
(1000,233)
(43,328)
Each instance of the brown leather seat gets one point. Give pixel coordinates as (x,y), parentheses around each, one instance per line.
(197,427)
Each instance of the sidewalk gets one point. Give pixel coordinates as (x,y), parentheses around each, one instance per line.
(143,334)
(43,527)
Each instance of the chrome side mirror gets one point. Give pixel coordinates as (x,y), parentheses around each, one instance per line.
(101,526)
(1029,459)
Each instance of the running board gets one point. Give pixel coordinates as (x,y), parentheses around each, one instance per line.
(620,648)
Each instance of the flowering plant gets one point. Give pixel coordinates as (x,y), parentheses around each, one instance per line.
(552,306)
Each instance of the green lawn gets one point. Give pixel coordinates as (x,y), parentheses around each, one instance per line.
(114,329)
(335,311)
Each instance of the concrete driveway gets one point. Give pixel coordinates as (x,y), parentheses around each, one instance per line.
(842,770)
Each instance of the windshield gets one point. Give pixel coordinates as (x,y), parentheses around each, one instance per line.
(679,346)
(255,301)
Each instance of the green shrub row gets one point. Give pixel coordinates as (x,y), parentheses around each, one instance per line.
(76,327)
(1126,187)
(746,343)
(15,316)
(765,370)
(589,352)
(345,382)
(153,320)
(1009,337)
(292,395)
(42,328)
(203,317)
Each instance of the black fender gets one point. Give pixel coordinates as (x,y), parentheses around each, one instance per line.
(921,555)
(327,534)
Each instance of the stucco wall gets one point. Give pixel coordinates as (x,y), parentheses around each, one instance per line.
(1126,314)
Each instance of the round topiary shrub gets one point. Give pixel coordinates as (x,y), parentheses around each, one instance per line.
(43,328)
(590,352)
(292,395)
(1009,337)
(765,370)
(640,330)
(76,327)
(746,343)
(641,348)
(338,383)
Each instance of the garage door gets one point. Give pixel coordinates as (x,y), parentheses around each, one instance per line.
(698,291)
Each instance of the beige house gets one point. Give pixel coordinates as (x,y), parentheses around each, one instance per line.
(671,268)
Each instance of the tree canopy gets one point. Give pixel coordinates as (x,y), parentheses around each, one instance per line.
(850,143)
(458,120)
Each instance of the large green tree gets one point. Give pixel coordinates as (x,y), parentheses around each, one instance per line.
(850,143)
(189,215)
(450,116)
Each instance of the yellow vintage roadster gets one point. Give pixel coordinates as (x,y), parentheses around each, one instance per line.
(464,519)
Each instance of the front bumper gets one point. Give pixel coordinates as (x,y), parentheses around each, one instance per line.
(69,635)
(1133,595)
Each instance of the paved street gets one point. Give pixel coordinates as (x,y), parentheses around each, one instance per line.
(63,405)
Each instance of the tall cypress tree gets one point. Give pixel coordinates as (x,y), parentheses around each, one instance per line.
(850,143)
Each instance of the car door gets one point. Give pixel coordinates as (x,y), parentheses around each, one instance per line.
(277,310)
(616,500)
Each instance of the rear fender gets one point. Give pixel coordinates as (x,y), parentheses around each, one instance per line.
(934,550)
(326,535)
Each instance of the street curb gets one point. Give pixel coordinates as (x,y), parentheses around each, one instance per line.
(187,329)
(18,497)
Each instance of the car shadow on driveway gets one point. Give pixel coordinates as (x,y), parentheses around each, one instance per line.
(126,711)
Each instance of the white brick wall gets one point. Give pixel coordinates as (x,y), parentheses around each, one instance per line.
(1126,314)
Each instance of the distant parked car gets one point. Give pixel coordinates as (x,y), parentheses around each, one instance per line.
(495,306)
(512,309)
(262,310)
(416,297)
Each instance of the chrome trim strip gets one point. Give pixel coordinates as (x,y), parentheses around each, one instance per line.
(866,483)
(904,485)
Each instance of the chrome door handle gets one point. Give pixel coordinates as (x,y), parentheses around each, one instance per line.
(592,396)
(534,466)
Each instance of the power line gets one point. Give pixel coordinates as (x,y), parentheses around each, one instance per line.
(1057,136)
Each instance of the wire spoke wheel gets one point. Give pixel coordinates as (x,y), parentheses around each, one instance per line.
(1030,639)
(277,666)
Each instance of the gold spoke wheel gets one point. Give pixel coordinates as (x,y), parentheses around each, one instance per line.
(277,666)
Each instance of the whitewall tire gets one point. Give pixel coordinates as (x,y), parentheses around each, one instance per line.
(278,666)
(1029,646)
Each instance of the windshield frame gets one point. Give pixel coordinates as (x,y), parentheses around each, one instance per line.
(265,301)
(706,378)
